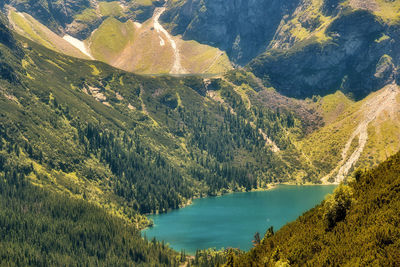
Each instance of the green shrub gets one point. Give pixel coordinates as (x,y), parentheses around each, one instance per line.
(336,206)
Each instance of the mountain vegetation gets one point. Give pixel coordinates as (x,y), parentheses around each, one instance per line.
(306,47)
(362,215)
(112,33)
(80,17)
(135,145)
(89,147)
(39,228)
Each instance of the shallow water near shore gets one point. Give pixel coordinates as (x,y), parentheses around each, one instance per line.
(232,220)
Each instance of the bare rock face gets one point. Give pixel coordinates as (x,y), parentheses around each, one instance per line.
(300,47)
(60,16)
(243,28)
(359,58)
(54,14)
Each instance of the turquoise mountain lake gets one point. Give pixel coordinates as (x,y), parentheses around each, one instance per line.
(232,220)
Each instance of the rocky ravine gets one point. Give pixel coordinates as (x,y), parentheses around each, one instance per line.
(177,67)
(384,101)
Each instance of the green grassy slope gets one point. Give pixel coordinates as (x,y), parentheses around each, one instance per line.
(110,39)
(29,27)
(356,226)
(140,48)
(116,39)
(343,116)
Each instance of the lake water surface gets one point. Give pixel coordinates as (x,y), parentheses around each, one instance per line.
(232,220)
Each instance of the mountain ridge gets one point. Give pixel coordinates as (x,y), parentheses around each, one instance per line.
(129,45)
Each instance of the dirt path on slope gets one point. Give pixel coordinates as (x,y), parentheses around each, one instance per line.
(177,67)
(385,100)
(219,54)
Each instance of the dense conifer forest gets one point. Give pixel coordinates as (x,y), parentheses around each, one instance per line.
(42,228)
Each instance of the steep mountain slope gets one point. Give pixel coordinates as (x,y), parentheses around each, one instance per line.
(127,44)
(38,227)
(307,47)
(325,159)
(356,135)
(242,28)
(24,24)
(356,226)
(149,48)
(80,17)
(324,48)
(135,145)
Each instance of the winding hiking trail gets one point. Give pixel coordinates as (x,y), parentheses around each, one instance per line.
(177,67)
(214,61)
(372,108)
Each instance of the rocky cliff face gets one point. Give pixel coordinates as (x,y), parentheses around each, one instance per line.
(307,47)
(54,14)
(359,57)
(300,47)
(243,28)
(80,17)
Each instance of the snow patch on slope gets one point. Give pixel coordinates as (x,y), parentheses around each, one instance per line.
(177,67)
(78,44)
